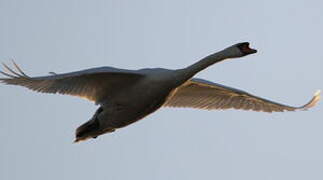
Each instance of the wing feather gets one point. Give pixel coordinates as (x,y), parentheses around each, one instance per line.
(93,84)
(202,94)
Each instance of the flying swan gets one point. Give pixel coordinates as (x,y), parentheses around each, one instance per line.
(126,96)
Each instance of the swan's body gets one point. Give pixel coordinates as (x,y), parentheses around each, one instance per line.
(126,96)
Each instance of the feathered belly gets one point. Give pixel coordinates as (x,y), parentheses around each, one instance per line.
(129,108)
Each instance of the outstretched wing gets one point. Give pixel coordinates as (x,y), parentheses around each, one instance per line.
(199,93)
(93,84)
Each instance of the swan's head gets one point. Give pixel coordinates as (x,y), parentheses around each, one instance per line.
(239,50)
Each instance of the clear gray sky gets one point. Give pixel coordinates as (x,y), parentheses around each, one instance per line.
(37,130)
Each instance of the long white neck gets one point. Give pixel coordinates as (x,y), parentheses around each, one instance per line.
(191,70)
(235,51)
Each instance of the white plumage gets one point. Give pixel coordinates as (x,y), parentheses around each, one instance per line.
(126,96)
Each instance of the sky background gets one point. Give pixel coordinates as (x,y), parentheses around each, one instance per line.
(37,130)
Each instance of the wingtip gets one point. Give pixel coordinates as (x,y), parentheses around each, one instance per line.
(313,101)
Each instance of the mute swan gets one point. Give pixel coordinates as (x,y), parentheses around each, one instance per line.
(126,96)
